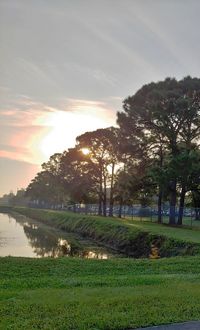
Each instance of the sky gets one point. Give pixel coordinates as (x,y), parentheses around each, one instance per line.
(66,66)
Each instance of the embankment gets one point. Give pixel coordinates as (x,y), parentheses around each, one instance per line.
(114,233)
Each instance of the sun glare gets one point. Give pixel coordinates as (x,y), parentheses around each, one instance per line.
(85,151)
(63,128)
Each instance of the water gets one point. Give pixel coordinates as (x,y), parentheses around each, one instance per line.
(24,237)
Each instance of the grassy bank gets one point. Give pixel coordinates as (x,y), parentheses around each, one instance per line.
(184,233)
(77,294)
(129,237)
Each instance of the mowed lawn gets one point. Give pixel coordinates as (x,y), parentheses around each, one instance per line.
(181,233)
(87,294)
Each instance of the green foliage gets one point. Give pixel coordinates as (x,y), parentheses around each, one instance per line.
(165,117)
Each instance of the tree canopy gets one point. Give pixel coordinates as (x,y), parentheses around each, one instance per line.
(153,153)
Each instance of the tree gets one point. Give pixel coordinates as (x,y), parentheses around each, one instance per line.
(20,198)
(47,186)
(103,146)
(44,189)
(187,167)
(169,109)
(78,175)
(196,201)
(7,199)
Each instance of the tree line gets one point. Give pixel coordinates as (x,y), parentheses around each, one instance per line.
(152,154)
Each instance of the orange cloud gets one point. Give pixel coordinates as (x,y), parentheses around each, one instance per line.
(42,130)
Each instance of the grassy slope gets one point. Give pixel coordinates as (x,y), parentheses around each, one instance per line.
(184,233)
(92,294)
(131,237)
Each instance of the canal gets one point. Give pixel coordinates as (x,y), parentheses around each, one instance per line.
(21,236)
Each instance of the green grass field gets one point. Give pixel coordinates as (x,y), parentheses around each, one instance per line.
(82,294)
(97,294)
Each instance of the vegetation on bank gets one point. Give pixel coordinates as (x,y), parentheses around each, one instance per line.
(125,236)
(77,294)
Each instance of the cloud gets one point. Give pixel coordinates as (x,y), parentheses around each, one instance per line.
(14,155)
(11,148)
(96,108)
(21,142)
(31,131)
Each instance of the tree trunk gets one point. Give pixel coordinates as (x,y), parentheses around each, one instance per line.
(100,206)
(197,214)
(172,212)
(104,205)
(100,196)
(181,205)
(111,191)
(196,206)
(120,208)
(160,194)
(104,197)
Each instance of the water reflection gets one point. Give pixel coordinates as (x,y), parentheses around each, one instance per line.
(95,255)
(21,236)
(68,249)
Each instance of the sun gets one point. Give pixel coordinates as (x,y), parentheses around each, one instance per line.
(62,127)
(85,151)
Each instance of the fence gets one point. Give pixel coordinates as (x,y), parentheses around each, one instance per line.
(132,212)
(191,216)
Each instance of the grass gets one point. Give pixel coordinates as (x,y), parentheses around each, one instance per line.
(186,234)
(131,237)
(83,294)
(77,294)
